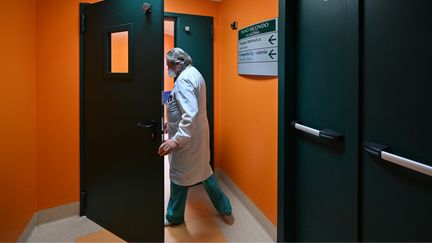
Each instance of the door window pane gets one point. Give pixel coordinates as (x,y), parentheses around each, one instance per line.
(120,52)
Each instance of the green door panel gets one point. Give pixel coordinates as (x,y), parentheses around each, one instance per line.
(326,98)
(363,69)
(198,43)
(397,202)
(122,175)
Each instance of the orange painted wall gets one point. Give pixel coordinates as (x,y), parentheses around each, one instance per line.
(57,66)
(248,154)
(18,117)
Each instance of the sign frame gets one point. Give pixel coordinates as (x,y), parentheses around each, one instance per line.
(257,49)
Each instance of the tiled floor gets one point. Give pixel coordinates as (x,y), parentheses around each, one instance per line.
(202,224)
(99,236)
(200,215)
(65,230)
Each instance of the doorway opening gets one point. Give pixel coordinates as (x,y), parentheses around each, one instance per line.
(194,35)
(168,84)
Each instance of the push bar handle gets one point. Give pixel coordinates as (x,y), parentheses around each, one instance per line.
(380,152)
(324,133)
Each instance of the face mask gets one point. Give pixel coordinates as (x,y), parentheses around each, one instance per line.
(171,73)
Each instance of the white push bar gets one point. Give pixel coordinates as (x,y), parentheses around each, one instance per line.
(325,133)
(307,129)
(378,151)
(410,164)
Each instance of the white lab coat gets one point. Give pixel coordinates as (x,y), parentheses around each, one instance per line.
(188,126)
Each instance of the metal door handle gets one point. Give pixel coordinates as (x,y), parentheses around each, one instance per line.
(147,124)
(378,150)
(324,133)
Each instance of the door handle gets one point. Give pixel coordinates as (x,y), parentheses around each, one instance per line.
(379,151)
(324,133)
(147,124)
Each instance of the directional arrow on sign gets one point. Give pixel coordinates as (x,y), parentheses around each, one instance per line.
(271,39)
(271,54)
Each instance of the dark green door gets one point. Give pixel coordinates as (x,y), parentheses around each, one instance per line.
(375,185)
(122,175)
(397,104)
(326,166)
(194,34)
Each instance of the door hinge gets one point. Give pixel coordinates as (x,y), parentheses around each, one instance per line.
(83,203)
(211,32)
(83,22)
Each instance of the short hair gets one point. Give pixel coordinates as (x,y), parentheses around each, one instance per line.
(178,56)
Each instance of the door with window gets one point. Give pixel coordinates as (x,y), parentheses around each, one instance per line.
(122,73)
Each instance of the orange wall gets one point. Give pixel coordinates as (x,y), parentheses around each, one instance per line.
(248,154)
(58,101)
(18,117)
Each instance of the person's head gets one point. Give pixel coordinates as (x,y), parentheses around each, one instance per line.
(177,60)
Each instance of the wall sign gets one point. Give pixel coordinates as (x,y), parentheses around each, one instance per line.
(258,49)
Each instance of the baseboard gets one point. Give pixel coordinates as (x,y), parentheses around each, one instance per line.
(28,230)
(253,209)
(49,215)
(60,212)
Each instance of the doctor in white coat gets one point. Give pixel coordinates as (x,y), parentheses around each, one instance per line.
(188,144)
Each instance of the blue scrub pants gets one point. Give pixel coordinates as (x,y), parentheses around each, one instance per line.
(177,200)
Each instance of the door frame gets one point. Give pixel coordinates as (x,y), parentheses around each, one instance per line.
(287,76)
(82,110)
(287,110)
(210,88)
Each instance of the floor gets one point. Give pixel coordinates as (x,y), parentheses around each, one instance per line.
(202,224)
(65,230)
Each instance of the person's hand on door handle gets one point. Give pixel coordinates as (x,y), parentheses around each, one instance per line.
(167,147)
